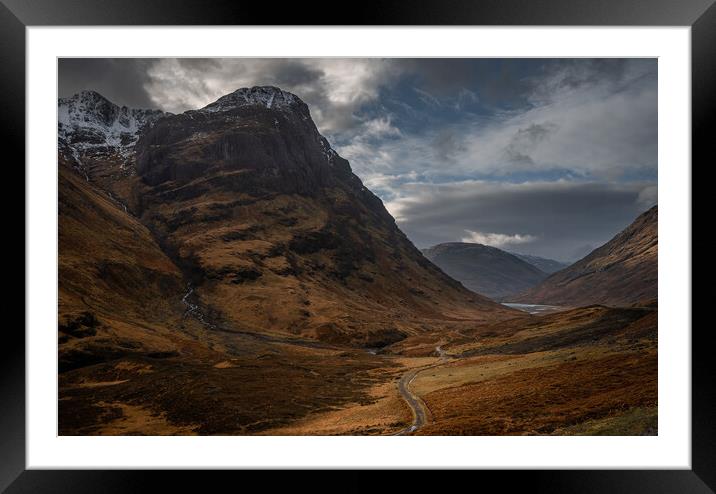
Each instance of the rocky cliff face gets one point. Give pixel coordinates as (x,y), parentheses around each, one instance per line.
(624,271)
(483,269)
(262,132)
(276,233)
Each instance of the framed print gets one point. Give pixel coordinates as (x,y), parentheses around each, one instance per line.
(427,240)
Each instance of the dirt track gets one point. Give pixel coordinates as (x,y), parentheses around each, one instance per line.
(416,404)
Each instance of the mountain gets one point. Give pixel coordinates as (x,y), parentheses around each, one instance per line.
(97,138)
(485,270)
(621,272)
(264,219)
(548,266)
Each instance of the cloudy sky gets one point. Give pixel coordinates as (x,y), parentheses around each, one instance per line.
(550,157)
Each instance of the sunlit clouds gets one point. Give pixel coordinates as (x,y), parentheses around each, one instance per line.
(496,239)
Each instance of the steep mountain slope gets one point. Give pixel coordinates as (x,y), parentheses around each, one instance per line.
(485,270)
(548,266)
(271,226)
(621,272)
(114,280)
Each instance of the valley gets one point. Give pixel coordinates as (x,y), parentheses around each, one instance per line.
(224,272)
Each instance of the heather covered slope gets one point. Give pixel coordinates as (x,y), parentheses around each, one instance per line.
(623,271)
(114,280)
(483,269)
(585,371)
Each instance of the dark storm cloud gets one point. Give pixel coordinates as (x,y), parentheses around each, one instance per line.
(121,80)
(614,74)
(577,73)
(283,72)
(552,219)
(296,73)
(494,81)
(199,64)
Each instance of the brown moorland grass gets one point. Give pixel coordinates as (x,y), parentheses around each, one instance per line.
(483,368)
(540,400)
(385,415)
(634,422)
(256,392)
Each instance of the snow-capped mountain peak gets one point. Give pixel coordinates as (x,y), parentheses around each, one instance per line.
(90,123)
(268,96)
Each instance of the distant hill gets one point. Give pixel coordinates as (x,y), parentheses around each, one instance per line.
(485,270)
(549,266)
(621,272)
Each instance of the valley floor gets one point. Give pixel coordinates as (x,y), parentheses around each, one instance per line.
(581,371)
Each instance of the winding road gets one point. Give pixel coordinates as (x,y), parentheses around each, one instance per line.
(416,404)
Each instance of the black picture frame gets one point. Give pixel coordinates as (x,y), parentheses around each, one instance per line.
(700,15)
